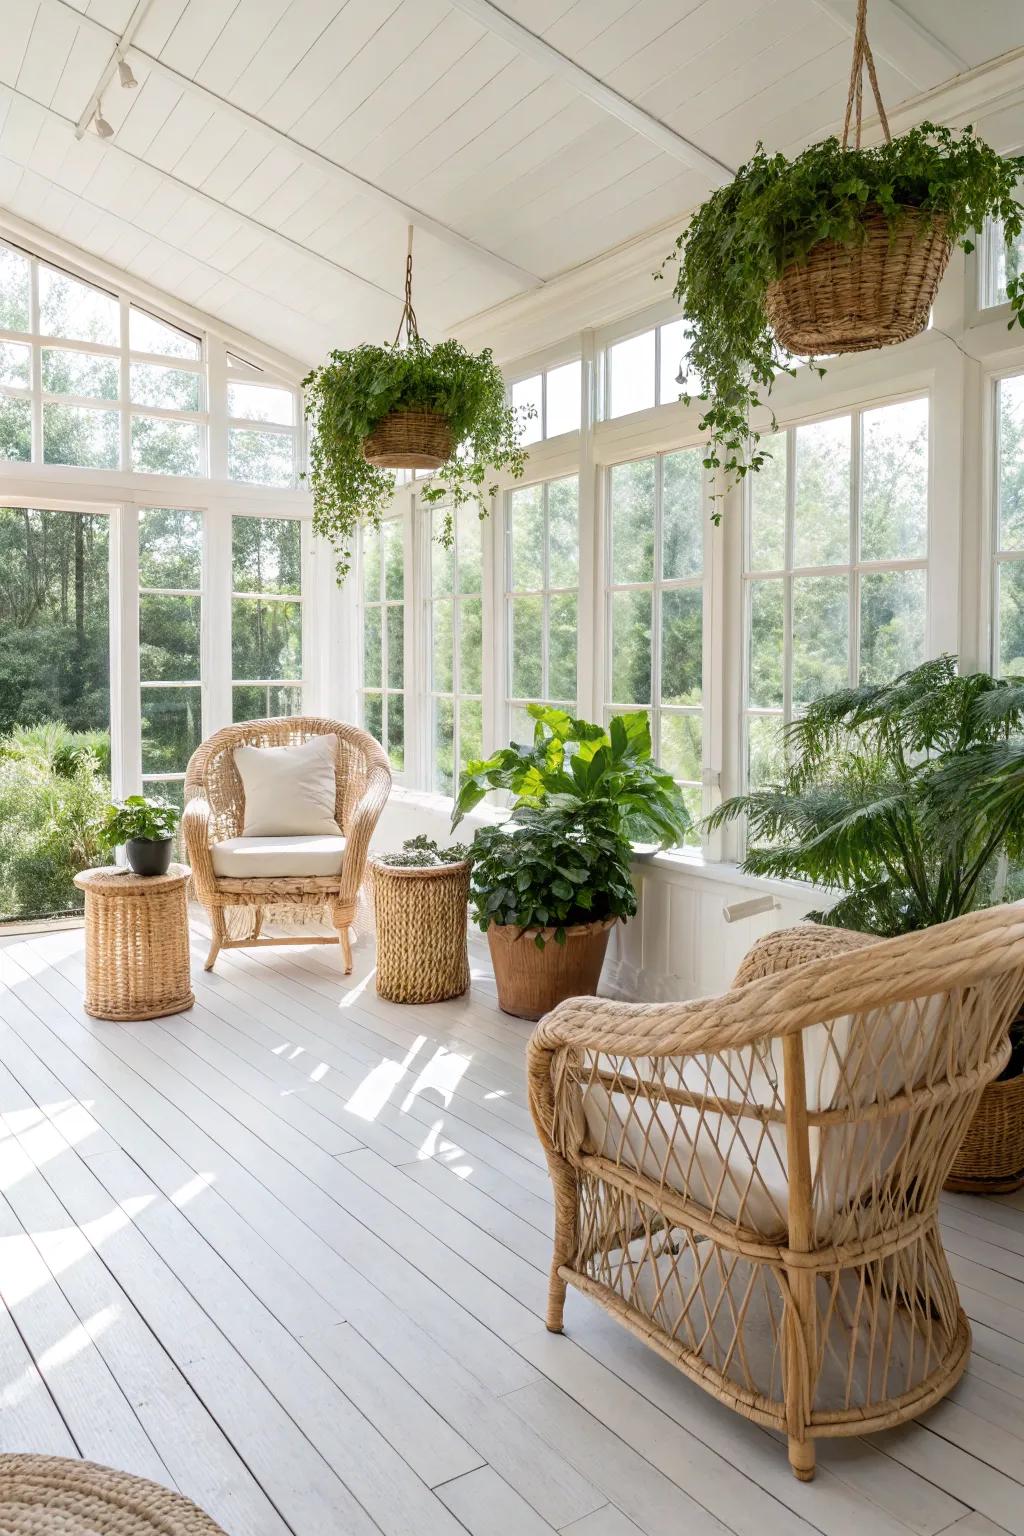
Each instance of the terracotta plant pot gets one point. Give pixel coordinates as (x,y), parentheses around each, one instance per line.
(531,980)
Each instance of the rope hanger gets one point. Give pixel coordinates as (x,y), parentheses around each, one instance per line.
(862,57)
(412,330)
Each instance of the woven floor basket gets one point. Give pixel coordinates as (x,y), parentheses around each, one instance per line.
(421,919)
(991,1156)
(54,1496)
(409,440)
(854,298)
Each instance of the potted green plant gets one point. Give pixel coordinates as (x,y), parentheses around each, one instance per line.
(145,825)
(906,800)
(840,249)
(548,884)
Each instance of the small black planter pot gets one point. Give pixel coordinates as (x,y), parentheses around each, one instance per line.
(149,855)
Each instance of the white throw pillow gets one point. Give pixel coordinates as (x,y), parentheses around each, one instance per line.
(289,791)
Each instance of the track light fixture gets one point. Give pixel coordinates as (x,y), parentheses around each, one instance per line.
(101,125)
(124,74)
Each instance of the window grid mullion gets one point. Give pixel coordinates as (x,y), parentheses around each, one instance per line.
(853,596)
(787,598)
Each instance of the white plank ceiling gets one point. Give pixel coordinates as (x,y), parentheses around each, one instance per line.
(263,168)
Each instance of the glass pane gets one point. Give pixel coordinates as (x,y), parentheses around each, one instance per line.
(765,661)
(682,516)
(822,511)
(442,672)
(1011,618)
(172,728)
(444,746)
(768,507)
(631,375)
(631,647)
(680,753)
(79,373)
(394,559)
(14,287)
(261,402)
(15,429)
(681,645)
(526,539)
(1011,463)
(471,732)
(632,521)
(15,364)
(161,447)
(396,646)
(894,482)
(676,378)
(266,554)
(521,725)
(170,548)
(442,559)
(373,715)
(72,434)
(76,310)
(148,334)
(562,648)
(470,549)
(168,639)
(171,790)
(766,752)
(527,655)
(892,624)
(471,654)
(175,389)
(821,636)
(396,731)
(527,392)
(250,701)
(563,532)
(261,458)
(372,648)
(371,538)
(564,399)
(266,638)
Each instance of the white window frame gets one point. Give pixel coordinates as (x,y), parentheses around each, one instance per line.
(545,592)
(397,516)
(424,515)
(147,778)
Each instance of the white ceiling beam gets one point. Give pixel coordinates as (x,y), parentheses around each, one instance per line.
(598,91)
(897,58)
(340,175)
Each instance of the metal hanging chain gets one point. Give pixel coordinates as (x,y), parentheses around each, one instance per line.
(862,58)
(412,330)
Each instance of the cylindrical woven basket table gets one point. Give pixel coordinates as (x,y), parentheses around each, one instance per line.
(54,1496)
(991,1156)
(421,917)
(136,943)
(409,440)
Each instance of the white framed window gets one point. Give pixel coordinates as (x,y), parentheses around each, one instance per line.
(383,603)
(835,568)
(266,617)
(555,394)
(1008,628)
(170,646)
(264,420)
(998,261)
(542,560)
(455,646)
(647,368)
(657,519)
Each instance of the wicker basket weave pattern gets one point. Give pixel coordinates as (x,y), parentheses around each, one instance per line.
(991,1156)
(411,439)
(136,944)
(55,1496)
(421,932)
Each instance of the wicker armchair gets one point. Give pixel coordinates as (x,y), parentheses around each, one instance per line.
(215,812)
(750,1182)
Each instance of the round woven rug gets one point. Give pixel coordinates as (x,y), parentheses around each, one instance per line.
(54,1496)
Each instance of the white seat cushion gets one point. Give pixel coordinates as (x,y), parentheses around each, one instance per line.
(290,790)
(267,858)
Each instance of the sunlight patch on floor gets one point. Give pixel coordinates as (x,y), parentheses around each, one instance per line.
(442,1074)
(380,1083)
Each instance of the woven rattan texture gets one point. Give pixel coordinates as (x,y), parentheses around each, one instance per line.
(215,810)
(136,944)
(750,1182)
(421,932)
(53,1496)
(991,1156)
(409,440)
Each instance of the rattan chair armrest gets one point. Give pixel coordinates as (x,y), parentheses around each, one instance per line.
(195,828)
(787,947)
(360,830)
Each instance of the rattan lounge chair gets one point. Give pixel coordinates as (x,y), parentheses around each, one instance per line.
(750,1182)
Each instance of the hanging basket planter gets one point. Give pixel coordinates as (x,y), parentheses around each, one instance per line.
(854,298)
(409,439)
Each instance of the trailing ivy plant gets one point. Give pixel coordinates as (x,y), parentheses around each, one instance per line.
(349,394)
(771,215)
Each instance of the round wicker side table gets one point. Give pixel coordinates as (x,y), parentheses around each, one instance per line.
(54,1496)
(136,943)
(421,932)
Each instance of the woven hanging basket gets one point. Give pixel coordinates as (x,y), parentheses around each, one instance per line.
(852,298)
(991,1156)
(409,440)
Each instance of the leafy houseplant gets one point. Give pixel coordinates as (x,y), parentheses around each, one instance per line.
(423,852)
(355,391)
(145,825)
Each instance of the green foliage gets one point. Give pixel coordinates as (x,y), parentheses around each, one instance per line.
(893,796)
(148,817)
(53,787)
(350,394)
(602,778)
(544,870)
(422,852)
(774,212)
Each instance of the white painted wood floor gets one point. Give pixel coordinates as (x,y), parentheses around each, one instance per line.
(287,1253)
